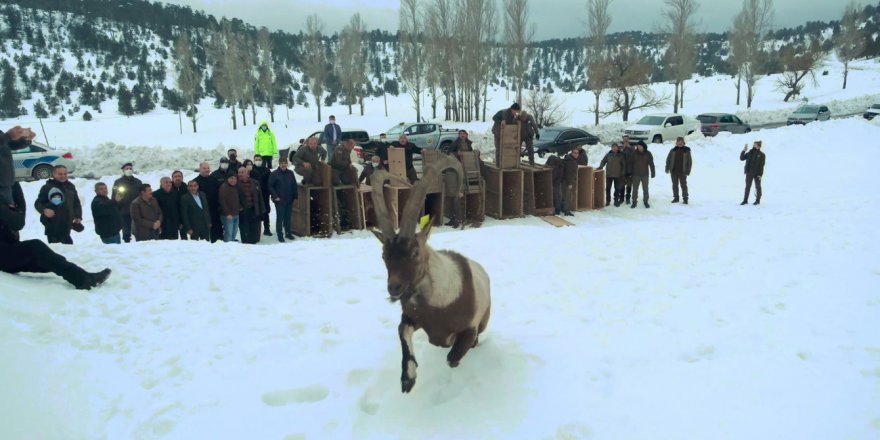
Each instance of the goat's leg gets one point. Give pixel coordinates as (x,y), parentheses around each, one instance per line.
(463,342)
(408,375)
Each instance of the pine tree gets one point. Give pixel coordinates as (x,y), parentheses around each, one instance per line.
(124,98)
(10,99)
(87,116)
(40,109)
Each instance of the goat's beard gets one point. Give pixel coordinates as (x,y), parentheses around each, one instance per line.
(409,293)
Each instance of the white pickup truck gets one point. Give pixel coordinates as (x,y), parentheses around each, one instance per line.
(661,127)
(423,134)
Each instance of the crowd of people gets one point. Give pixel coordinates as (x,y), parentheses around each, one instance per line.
(234,201)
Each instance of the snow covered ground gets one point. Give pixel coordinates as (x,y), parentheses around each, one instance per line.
(711,320)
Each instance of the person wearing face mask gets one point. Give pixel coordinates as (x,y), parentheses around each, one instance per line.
(222,171)
(374,164)
(265,145)
(14,139)
(59,207)
(261,173)
(129,187)
(234,163)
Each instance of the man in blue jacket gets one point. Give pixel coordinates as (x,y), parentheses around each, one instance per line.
(283,190)
(332,136)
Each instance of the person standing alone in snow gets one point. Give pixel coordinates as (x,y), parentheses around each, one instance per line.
(265,144)
(678,165)
(754,169)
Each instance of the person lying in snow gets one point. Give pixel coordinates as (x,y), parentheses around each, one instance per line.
(33,255)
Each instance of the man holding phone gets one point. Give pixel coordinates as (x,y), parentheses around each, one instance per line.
(754,170)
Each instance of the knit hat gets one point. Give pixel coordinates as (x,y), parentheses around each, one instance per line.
(127,164)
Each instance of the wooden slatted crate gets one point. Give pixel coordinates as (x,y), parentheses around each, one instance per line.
(598,189)
(504,192)
(584,189)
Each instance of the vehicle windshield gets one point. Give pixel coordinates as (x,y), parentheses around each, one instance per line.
(397,129)
(876,106)
(549,133)
(651,120)
(810,109)
(706,119)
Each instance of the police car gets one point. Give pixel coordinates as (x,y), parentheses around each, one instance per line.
(36,161)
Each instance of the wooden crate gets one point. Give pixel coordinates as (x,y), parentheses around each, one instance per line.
(312,214)
(397,163)
(348,206)
(504,192)
(430,156)
(365,196)
(475,205)
(395,199)
(598,189)
(537,190)
(507,154)
(583,195)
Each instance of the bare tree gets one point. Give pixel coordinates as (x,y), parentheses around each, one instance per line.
(755,19)
(267,70)
(598,21)
(316,65)
(630,71)
(681,59)
(850,41)
(518,33)
(225,51)
(798,62)
(189,78)
(488,30)
(738,56)
(352,62)
(412,66)
(546,110)
(248,79)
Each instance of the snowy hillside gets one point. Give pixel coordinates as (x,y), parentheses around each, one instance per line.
(711,320)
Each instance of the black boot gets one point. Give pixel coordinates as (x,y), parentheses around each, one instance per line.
(646,204)
(633,205)
(757,201)
(86,280)
(607,202)
(674,200)
(743,202)
(627,199)
(685,201)
(266,231)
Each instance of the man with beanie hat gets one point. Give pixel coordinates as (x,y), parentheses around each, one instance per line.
(129,187)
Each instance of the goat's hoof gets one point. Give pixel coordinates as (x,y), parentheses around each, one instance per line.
(452,364)
(407,384)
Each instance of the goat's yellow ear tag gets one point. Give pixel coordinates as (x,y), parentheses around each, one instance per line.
(424,221)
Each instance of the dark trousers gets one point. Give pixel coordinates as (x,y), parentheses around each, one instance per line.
(412,175)
(642,181)
(268,210)
(249,226)
(453,209)
(126,227)
(309,175)
(628,185)
(37,257)
(57,232)
(267,160)
(282,219)
(679,179)
(216,228)
(618,188)
(170,232)
(557,197)
(530,150)
(757,179)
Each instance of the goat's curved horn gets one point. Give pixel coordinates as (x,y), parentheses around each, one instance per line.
(420,190)
(377,180)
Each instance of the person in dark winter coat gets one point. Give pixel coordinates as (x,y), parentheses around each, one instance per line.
(179,187)
(234,163)
(251,207)
(556,164)
(63,212)
(528,132)
(507,116)
(341,170)
(211,188)
(678,165)
(129,186)
(146,216)
(194,213)
(332,136)
(14,139)
(261,173)
(639,164)
(569,180)
(306,162)
(169,203)
(282,187)
(460,145)
(754,170)
(230,208)
(627,149)
(614,164)
(105,212)
(18,256)
(409,149)
(369,168)
(222,171)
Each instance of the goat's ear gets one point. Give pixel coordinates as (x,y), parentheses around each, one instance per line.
(378,235)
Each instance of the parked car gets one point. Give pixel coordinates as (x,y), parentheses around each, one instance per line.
(714,123)
(360,136)
(662,127)
(36,161)
(809,113)
(560,140)
(423,134)
(872,111)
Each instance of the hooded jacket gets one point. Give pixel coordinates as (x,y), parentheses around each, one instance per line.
(686,160)
(108,223)
(614,164)
(68,192)
(264,141)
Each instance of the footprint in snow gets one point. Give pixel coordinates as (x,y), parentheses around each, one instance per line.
(309,394)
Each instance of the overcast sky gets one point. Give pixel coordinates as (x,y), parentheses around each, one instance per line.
(552,18)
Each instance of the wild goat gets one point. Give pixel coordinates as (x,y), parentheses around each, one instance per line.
(441,292)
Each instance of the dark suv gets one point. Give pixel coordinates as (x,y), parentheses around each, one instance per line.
(361,139)
(713,123)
